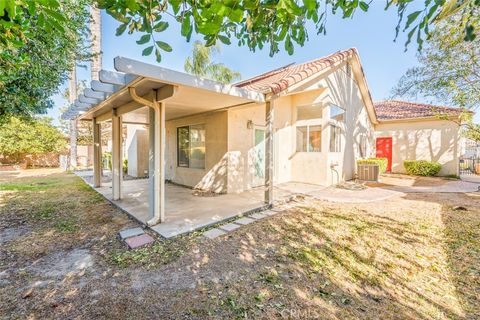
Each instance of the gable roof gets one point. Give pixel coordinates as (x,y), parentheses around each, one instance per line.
(282,78)
(390,110)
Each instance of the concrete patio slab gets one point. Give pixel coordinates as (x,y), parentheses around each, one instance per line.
(213,233)
(127,233)
(229,227)
(244,221)
(139,241)
(186,212)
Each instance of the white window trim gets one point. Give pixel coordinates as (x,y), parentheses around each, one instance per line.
(176,145)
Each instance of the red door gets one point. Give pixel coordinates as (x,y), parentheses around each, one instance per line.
(384,150)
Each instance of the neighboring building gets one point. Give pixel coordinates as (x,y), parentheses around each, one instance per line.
(416,131)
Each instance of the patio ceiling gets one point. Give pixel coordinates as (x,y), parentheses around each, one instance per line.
(183,94)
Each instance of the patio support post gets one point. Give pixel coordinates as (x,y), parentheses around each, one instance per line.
(269,116)
(117,170)
(151,162)
(97,154)
(158,199)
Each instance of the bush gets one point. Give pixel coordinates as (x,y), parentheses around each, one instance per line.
(381,162)
(422,167)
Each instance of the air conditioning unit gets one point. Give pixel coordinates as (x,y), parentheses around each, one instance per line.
(368,172)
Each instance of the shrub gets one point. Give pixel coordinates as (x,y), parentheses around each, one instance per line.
(381,162)
(422,167)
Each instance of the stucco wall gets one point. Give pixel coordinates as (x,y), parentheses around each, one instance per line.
(214,176)
(435,140)
(337,87)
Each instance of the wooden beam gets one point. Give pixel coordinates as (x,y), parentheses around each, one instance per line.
(84,99)
(103,87)
(112,77)
(159,74)
(97,154)
(269,117)
(82,105)
(89,93)
(104,117)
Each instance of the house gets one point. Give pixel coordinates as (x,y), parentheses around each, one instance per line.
(417,131)
(301,123)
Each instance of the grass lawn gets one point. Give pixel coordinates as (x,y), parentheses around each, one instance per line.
(411,257)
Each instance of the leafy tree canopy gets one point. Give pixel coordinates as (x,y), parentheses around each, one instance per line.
(39,41)
(200,64)
(19,137)
(276,23)
(449,68)
(449,72)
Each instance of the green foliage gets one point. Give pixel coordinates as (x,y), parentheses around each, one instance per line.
(422,167)
(200,64)
(125,166)
(449,69)
(256,24)
(38,43)
(19,137)
(381,162)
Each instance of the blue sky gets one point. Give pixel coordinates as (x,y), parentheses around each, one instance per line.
(372,33)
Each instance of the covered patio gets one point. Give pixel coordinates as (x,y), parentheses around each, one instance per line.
(140,93)
(187,210)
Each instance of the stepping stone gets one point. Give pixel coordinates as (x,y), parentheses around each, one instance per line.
(244,221)
(128,233)
(269,212)
(213,233)
(229,227)
(139,241)
(258,216)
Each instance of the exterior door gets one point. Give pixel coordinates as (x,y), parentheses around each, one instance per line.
(384,150)
(259,157)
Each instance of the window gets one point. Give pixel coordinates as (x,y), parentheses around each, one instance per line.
(309,138)
(191,146)
(309,128)
(337,113)
(335,138)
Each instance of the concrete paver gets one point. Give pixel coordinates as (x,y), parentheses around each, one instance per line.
(132,232)
(230,227)
(213,233)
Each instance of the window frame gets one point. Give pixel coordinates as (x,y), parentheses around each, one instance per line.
(336,132)
(189,148)
(308,123)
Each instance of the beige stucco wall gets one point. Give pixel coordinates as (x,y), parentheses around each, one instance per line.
(432,140)
(337,88)
(214,176)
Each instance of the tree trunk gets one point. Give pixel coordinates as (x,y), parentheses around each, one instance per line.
(72,95)
(96,34)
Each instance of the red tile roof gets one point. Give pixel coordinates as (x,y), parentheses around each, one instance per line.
(280,79)
(400,110)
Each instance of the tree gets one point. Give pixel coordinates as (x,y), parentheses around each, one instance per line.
(274,23)
(200,64)
(449,72)
(449,69)
(38,43)
(19,137)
